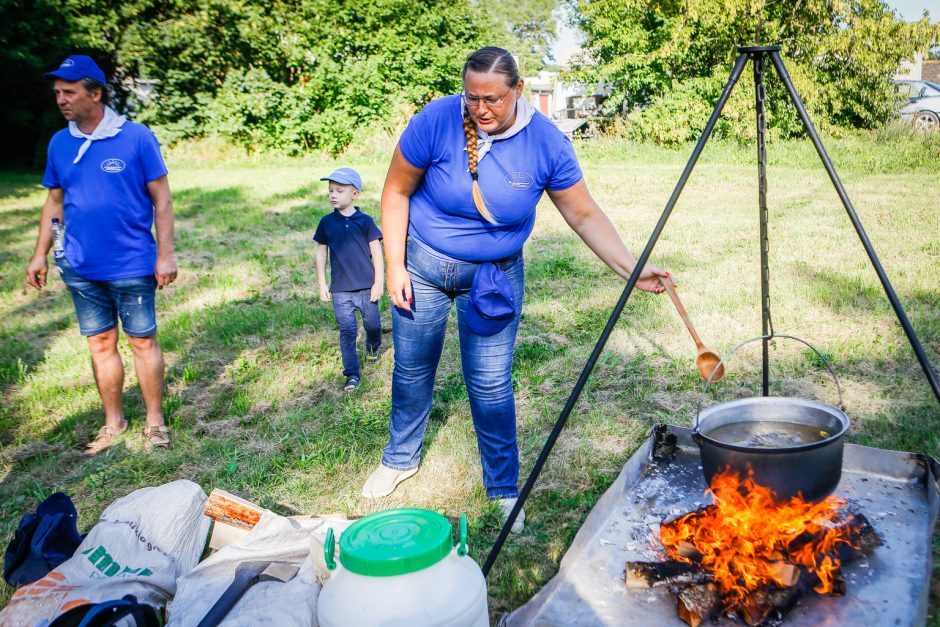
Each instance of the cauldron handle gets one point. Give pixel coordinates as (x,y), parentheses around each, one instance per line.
(721,361)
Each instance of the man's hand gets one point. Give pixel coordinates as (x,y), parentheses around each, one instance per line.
(165,271)
(376,292)
(36,272)
(325,295)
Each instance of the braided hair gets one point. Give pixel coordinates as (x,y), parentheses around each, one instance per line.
(485,60)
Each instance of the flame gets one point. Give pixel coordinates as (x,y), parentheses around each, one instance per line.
(748,541)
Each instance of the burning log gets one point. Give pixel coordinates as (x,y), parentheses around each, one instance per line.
(689,552)
(785,574)
(670,573)
(768,603)
(699,603)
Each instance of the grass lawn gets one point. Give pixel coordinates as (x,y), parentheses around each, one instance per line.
(254,379)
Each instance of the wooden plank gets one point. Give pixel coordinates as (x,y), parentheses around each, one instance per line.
(224,534)
(231,509)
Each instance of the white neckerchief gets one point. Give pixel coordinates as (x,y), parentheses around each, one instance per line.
(524,114)
(109,126)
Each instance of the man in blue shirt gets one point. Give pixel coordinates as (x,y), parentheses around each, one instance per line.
(107,182)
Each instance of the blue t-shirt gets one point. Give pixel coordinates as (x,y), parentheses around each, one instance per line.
(512,177)
(348,237)
(108,210)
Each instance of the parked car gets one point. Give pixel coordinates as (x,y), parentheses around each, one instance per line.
(922,108)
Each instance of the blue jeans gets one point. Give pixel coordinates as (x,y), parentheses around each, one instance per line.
(99,304)
(486,362)
(345,305)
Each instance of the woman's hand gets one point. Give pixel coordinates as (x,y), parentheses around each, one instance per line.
(399,286)
(650,280)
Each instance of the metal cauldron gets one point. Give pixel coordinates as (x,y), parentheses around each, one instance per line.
(811,469)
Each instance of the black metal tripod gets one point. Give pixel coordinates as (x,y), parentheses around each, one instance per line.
(759,56)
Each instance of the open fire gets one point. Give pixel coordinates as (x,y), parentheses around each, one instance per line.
(748,555)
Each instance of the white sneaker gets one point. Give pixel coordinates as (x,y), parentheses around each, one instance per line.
(505,507)
(384,480)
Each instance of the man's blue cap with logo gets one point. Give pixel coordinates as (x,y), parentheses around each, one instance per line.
(492,301)
(77,67)
(346,176)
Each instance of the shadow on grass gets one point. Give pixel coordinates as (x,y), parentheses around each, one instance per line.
(19,184)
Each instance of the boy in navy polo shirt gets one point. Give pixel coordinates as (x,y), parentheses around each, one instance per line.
(356,270)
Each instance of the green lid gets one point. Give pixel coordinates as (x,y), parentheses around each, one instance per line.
(395,542)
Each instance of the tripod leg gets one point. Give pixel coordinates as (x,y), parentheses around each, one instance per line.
(612,321)
(844,197)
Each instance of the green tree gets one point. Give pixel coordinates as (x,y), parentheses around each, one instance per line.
(669,57)
(530,29)
(285,74)
(303,74)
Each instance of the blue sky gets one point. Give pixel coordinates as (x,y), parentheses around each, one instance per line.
(909,10)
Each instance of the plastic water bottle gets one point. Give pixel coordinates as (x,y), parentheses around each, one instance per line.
(58,238)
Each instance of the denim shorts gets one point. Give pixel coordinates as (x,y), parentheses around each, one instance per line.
(99,304)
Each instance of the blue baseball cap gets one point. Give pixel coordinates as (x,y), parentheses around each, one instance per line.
(77,67)
(346,176)
(492,301)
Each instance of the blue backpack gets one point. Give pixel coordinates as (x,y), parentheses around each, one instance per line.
(108,613)
(43,540)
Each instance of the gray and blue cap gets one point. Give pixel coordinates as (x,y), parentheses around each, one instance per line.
(346,176)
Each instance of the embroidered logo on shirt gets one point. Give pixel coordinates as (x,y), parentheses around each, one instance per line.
(519,180)
(112,166)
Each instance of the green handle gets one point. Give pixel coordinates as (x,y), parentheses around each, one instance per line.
(462,549)
(329,548)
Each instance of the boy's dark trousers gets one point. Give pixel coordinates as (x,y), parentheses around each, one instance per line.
(345,305)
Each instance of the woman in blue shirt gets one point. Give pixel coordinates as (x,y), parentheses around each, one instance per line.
(461,190)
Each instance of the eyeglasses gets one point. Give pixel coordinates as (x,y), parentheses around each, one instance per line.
(476,101)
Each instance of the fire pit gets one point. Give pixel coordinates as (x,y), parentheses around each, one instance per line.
(751,555)
(896,492)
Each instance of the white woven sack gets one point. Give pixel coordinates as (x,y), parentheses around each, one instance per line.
(142,543)
(275,538)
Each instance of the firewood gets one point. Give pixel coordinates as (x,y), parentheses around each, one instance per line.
(864,538)
(650,574)
(768,603)
(860,532)
(687,550)
(785,574)
(699,602)
(231,509)
(224,534)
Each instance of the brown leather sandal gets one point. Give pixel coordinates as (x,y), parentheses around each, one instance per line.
(105,437)
(157,436)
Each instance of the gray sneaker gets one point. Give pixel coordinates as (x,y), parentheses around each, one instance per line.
(384,480)
(505,507)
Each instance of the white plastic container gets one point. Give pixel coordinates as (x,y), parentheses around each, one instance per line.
(400,567)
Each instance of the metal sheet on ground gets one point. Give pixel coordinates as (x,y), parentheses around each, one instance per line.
(896,491)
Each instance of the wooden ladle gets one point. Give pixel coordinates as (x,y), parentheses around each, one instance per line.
(707,360)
